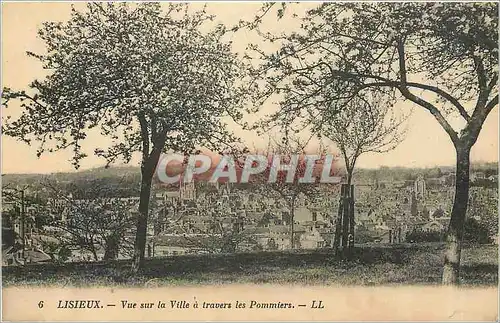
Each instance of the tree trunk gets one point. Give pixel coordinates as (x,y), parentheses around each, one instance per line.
(345,217)
(455,232)
(94,254)
(347,213)
(338,224)
(349,177)
(351,216)
(112,248)
(142,220)
(148,167)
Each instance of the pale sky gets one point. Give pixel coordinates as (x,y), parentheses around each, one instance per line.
(426,143)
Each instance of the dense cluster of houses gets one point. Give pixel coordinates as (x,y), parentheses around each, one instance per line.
(20,239)
(191,221)
(227,218)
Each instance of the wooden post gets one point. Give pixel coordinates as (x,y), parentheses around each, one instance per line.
(338,224)
(345,217)
(351,217)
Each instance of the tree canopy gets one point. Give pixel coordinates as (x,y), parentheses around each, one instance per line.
(363,126)
(441,56)
(135,72)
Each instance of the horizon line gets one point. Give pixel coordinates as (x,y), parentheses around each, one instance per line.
(76,171)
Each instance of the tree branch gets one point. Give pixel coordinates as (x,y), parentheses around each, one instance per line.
(491,105)
(144,135)
(435,89)
(423,103)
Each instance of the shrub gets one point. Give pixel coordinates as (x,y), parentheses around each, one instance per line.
(425,236)
(476,232)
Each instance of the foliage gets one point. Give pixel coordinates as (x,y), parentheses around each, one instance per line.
(149,79)
(365,236)
(344,50)
(484,207)
(57,250)
(272,245)
(442,57)
(136,73)
(424,236)
(8,234)
(364,125)
(130,176)
(92,222)
(288,186)
(124,179)
(476,232)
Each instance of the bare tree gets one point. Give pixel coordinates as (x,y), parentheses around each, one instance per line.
(364,125)
(215,236)
(282,188)
(94,220)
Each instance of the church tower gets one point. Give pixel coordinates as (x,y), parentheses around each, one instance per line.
(419,188)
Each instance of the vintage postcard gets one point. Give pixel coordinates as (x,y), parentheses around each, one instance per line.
(250,161)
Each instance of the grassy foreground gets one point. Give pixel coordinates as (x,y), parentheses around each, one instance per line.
(370,265)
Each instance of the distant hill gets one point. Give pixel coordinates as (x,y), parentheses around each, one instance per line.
(111,172)
(130,175)
(406,173)
(124,179)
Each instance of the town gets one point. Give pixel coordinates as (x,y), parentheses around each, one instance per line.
(200,218)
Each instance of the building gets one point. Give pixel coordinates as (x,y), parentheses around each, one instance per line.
(476,176)
(16,256)
(187,191)
(313,239)
(174,244)
(419,188)
(433,226)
